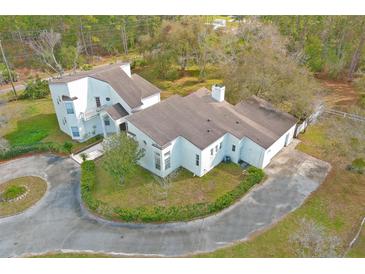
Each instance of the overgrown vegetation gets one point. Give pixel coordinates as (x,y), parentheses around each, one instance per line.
(163,213)
(36,89)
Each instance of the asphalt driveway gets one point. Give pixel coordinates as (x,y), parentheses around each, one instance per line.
(58,223)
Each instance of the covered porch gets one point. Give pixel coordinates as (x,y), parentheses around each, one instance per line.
(113,119)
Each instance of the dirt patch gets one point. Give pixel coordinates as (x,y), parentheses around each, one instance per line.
(340,93)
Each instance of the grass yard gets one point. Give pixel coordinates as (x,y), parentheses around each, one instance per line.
(36,189)
(358,250)
(31,121)
(338,205)
(146,190)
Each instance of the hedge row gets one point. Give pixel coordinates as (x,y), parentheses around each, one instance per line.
(164,214)
(87,184)
(38,147)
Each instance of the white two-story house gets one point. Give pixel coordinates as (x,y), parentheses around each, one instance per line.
(200,130)
(98,101)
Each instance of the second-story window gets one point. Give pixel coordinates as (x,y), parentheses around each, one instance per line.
(69,108)
(97,101)
(197,160)
(167,160)
(157,161)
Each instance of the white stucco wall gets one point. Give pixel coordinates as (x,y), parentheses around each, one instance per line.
(251,153)
(57,90)
(209,161)
(277,146)
(150,100)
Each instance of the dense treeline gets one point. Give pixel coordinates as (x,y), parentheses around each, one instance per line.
(332,45)
(273,57)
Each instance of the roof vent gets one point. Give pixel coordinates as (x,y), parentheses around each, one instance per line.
(208,130)
(237,122)
(208,120)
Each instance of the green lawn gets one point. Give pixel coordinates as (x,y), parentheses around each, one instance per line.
(338,206)
(146,190)
(32,121)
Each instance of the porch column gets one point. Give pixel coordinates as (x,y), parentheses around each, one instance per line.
(103,125)
(117,127)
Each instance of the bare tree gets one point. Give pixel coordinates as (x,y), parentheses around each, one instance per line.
(79,49)
(44,47)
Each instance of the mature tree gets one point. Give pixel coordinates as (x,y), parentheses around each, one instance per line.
(255,61)
(121,154)
(44,46)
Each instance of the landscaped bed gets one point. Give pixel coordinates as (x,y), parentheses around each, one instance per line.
(146,198)
(19,194)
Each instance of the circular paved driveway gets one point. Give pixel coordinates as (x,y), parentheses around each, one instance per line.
(57,222)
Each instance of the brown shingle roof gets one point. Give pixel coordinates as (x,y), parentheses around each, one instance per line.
(146,87)
(131,89)
(201,120)
(116,111)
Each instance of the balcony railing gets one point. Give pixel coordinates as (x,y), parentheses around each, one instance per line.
(91,113)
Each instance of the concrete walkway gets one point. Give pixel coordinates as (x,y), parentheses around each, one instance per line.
(58,223)
(91,153)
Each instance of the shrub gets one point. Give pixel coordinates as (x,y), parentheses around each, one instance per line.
(5,76)
(37,147)
(88,173)
(357,165)
(36,89)
(165,214)
(68,146)
(83,156)
(86,67)
(13,192)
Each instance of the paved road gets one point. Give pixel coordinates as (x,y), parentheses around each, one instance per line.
(10,89)
(57,221)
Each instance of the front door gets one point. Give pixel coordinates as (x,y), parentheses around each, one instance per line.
(122,127)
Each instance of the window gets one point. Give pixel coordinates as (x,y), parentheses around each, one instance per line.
(107,98)
(106,121)
(157,161)
(75,132)
(220,145)
(167,160)
(197,159)
(211,151)
(69,108)
(216,148)
(233,147)
(144,142)
(97,101)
